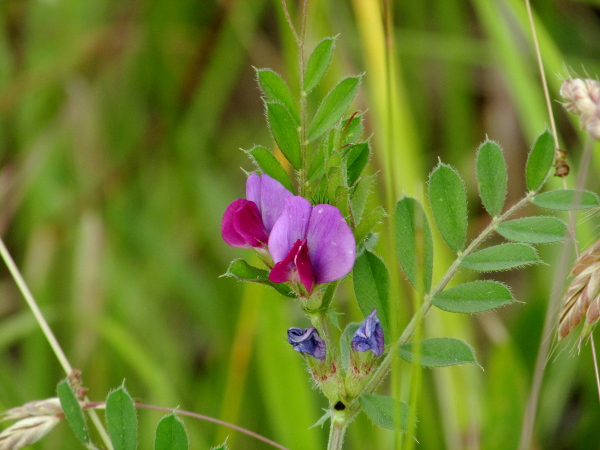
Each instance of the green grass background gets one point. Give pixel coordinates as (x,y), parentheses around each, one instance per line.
(120,130)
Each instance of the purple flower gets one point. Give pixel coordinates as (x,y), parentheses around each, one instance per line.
(369,335)
(247,222)
(307,341)
(310,244)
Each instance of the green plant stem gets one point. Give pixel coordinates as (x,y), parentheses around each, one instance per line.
(49,335)
(303,113)
(383,369)
(337,432)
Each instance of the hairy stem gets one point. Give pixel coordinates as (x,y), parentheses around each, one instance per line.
(337,432)
(303,113)
(383,369)
(102,405)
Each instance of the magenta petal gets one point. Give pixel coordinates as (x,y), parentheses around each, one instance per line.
(284,269)
(331,244)
(269,195)
(290,227)
(304,266)
(228,231)
(248,223)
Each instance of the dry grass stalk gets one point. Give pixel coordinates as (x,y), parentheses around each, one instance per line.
(27,431)
(582,299)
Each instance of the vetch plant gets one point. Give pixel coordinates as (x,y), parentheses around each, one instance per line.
(322,234)
(309,218)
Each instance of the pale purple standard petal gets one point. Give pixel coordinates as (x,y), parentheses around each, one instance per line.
(290,227)
(369,335)
(269,195)
(331,244)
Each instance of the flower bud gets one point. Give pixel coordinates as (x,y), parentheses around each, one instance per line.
(369,335)
(307,341)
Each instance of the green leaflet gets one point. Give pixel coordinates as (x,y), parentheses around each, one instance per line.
(473,297)
(492,177)
(448,201)
(539,161)
(382,410)
(566,200)
(414,244)
(501,257)
(355,160)
(352,129)
(121,419)
(243,271)
(318,62)
(533,230)
(277,91)
(73,412)
(333,107)
(285,132)
(368,223)
(171,434)
(371,287)
(269,165)
(439,352)
(345,340)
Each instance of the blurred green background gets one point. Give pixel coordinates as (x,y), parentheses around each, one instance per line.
(120,129)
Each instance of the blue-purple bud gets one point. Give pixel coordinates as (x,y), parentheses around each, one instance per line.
(369,336)
(307,341)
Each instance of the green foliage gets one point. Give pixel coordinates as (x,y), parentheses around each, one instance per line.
(533,230)
(171,434)
(355,160)
(383,410)
(360,194)
(345,340)
(333,106)
(540,161)
(277,91)
(284,132)
(317,63)
(73,412)
(352,129)
(501,257)
(414,244)
(367,224)
(567,199)
(438,352)
(449,205)
(269,165)
(492,177)
(371,287)
(121,419)
(473,297)
(243,271)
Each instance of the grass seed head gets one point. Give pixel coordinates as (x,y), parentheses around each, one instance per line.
(581,302)
(27,431)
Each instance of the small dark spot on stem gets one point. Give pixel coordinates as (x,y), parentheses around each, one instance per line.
(339,406)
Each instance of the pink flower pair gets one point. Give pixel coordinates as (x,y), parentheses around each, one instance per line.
(309,244)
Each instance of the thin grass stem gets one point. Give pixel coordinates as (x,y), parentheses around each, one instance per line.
(550,319)
(595,365)
(49,335)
